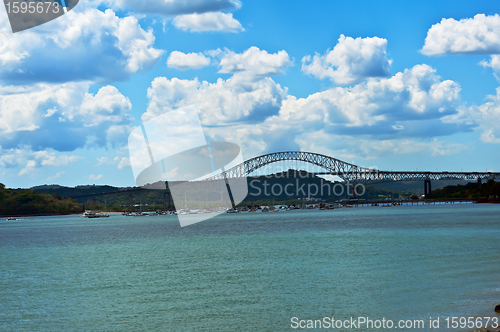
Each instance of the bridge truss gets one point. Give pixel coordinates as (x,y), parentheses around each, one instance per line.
(346,171)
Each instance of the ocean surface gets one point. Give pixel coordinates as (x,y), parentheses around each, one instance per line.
(250,271)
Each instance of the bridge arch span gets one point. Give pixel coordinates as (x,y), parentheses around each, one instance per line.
(332,166)
(347,171)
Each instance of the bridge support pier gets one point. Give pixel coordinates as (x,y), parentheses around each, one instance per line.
(479,183)
(427,188)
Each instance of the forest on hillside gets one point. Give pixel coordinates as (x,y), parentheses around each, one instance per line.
(27,202)
(489,191)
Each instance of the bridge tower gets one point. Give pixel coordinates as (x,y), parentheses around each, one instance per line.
(427,188)
(165,200)
(479,183)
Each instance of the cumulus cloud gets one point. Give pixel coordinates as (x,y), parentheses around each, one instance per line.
(351,61)
(85,46)
(260,116)
(213,21)
(253,62)
(250,95)
(478,35)
(33,160)
(62,116)
(179,60)
(410,103)
(410,106)
(219,103)
(489,118)
(493,63)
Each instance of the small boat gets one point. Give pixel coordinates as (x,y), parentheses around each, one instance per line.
(11,218)
(265,209)
(233,210)
(92,214)
(89,214)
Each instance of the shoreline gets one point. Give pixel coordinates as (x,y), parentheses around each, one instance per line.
(52,214)
(483,201)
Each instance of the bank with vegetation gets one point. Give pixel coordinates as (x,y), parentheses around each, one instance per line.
(27,202)
(487,192)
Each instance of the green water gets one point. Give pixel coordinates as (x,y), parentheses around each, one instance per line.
(248,271)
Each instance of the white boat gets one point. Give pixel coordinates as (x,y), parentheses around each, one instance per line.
(89,214)
(92,214)
(233,210)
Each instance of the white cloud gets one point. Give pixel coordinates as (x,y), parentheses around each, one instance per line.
(90,45)
(33,160)
(349,148)
(260,116)
(410,103)
(95,177)
(400,111)
(56,176)
(179,60)
(124,162)
(212,21)
(108,105)
(478,35)
(249,95)
(494,64)
(176,7)
(489,118)
(62,116)
(219,103)
(104,161)
(351,61)
(29,169)
(120,162)
(253,62)
(46,158)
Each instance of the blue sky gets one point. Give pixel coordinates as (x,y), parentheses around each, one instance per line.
(390,84)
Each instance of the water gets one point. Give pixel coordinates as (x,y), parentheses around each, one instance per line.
(249,271)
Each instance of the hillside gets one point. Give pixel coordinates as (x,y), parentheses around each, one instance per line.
(27,202)
(299,186)
(489,190)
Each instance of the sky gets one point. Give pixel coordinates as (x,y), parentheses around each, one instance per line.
(395,85)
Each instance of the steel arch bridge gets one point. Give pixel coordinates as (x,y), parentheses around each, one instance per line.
(346,171)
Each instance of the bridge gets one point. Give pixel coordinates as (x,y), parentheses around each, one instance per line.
(349,172)
(331,166)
